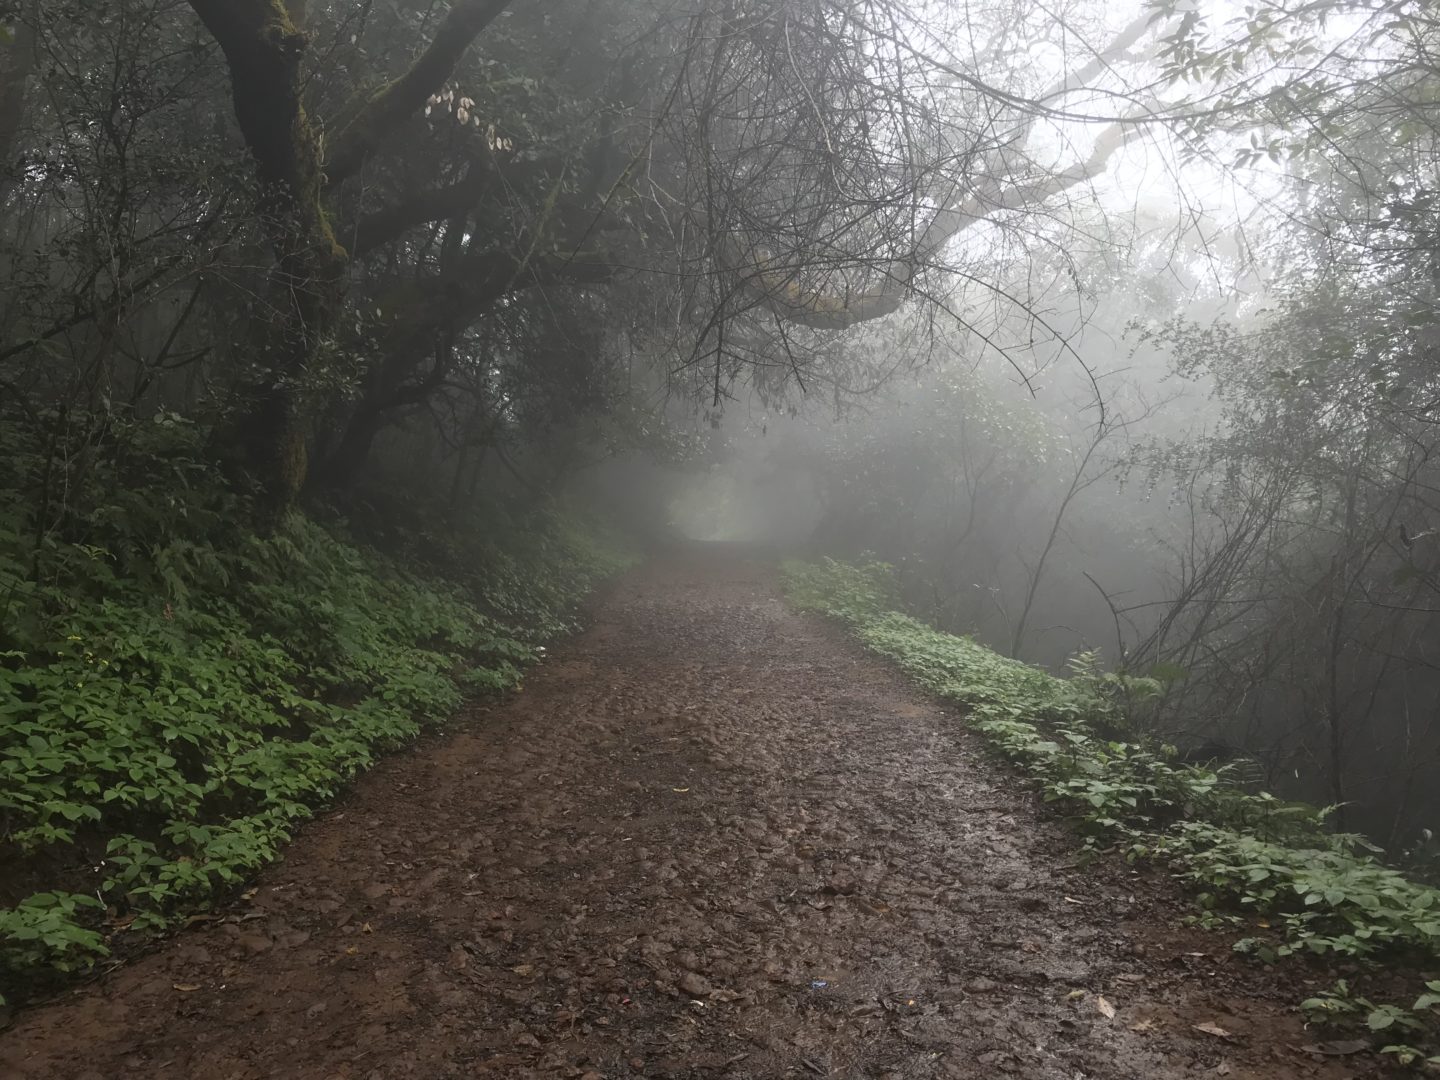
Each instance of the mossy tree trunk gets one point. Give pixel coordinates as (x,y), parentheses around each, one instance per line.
(265,50)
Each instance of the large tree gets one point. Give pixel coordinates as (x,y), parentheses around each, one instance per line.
(770,164)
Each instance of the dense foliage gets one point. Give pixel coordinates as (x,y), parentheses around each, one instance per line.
(177,692)
(508,229)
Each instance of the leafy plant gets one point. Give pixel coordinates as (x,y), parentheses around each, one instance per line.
(177,694)
(1316,891)
(1341,1007)
(44,928)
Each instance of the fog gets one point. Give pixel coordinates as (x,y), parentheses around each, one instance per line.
(1109,502)
(1111,329)
(1196,451)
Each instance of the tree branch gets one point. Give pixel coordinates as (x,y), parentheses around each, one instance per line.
(454,301)
(263,50)
(779,290)
(397,101)
(377,229)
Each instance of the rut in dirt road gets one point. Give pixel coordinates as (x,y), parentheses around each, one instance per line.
(711,839)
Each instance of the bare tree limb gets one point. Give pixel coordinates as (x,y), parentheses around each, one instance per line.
(779,287)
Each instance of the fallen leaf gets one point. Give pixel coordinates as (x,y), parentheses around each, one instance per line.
(1337,1048)
(1212,1028)
(1223,1069)
(185,988)
(1106,1009)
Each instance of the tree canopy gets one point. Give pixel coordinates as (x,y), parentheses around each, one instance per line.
(384,204)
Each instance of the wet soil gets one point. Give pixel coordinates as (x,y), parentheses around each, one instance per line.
(711,839)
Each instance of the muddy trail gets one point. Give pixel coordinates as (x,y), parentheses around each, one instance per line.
(710,839)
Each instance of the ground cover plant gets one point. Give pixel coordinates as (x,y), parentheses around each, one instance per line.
(1252,859)
(178,691)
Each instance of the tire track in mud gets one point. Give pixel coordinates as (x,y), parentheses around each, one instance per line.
(710,839)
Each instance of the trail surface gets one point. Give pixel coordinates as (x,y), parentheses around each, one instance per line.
(710,839)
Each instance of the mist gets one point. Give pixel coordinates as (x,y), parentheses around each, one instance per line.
(1155,489)
(687,468)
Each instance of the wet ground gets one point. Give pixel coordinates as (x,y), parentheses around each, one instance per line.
(711,839)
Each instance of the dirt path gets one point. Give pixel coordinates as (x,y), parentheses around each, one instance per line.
(710,839)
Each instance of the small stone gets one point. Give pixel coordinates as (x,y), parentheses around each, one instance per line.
(687,960)
(694,985)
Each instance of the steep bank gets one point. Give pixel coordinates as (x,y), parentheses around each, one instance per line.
(178,692)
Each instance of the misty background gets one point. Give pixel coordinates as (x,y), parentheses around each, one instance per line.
(1113,329)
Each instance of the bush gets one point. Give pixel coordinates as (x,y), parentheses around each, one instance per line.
(1321,892)
(177,693)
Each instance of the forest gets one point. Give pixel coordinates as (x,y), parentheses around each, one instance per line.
(397,385)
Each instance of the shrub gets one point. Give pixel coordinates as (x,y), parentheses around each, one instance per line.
(1321,892)
(177,693)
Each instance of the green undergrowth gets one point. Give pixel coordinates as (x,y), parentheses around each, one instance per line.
(1251,858)
(177,692)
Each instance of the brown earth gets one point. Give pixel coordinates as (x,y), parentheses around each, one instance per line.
(711,839)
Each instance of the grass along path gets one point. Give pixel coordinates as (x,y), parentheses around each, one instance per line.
(711,838)
(1252,860)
